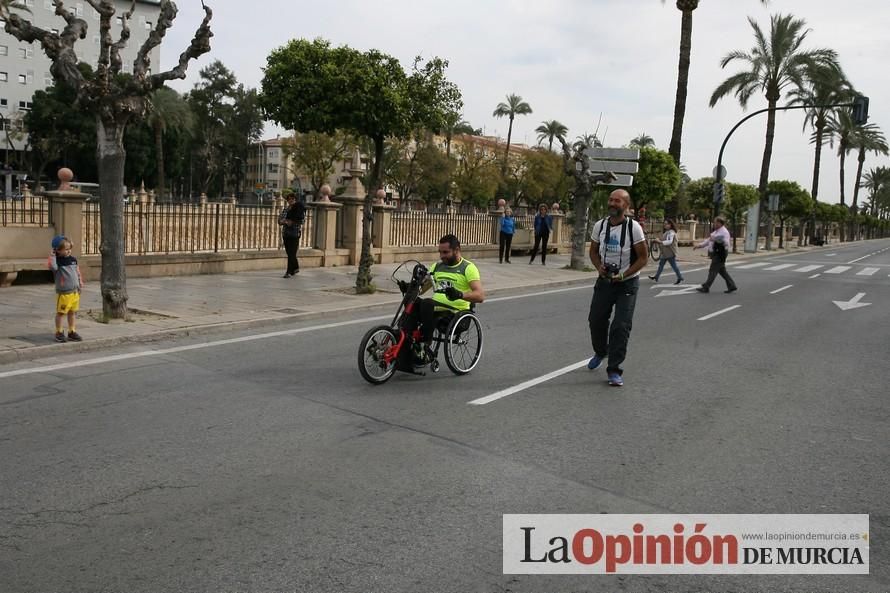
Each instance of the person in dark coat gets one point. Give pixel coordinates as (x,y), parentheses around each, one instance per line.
(291,221)
(543,228)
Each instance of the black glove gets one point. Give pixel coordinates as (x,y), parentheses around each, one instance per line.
(403,286)
(453,294)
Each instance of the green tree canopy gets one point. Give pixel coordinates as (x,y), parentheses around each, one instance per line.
(310,86)
(656,181)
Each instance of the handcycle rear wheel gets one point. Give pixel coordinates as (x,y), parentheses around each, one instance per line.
(463,343)
(371,363)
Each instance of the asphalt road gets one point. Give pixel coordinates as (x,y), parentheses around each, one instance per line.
(263,462)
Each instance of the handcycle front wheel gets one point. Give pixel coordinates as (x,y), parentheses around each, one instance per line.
(463,343)
(374,345)
(654,250)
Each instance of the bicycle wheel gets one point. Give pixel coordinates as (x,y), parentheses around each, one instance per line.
(654,250)
(371,362)
(463,345)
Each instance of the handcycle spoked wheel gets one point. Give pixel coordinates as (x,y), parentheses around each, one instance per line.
(654,250)
(372,363)
(463,343)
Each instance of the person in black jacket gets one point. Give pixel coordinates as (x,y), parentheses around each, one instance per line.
(543,228)
(291,221)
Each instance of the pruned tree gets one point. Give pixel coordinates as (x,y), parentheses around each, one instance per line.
(115,99)
(577,166)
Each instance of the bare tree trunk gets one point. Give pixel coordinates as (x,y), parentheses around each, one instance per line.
(843,227)
(581,204)
(363,283)
(854,234)
(111,156)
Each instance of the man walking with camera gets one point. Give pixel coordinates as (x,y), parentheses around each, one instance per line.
(618,252)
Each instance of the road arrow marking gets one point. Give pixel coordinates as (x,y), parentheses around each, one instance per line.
(852,303)
(672,292)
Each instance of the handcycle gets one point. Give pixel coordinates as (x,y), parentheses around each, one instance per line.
(385,349)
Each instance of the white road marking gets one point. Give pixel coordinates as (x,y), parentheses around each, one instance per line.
(781,289)
(807,269)
(525,385)
(780,267)
(867,271)
(229,341)
(720,312)
(860,258)
(830,254)
(852,303)
(755,265)
(815,275)
(837,270)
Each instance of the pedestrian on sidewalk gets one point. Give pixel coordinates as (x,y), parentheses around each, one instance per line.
(508,227)
(717,245)
(291,221)
(543,228)
(669,243)
(69,284)
(618,252)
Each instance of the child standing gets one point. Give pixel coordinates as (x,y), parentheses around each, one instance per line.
(69,283)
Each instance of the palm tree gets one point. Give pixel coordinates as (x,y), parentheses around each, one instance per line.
(168,111)
(551,129)
(513,107)
(642,141)
(774,63)
(868,138)
(686,7)
(587,141)
(826,86)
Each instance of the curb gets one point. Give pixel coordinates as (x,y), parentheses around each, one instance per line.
(50,350)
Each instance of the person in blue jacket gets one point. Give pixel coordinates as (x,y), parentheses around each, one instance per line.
(508,227)
(543,227)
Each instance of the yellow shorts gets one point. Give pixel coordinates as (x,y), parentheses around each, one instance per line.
(67,303)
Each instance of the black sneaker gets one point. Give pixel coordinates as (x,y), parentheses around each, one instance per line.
(702,289)
(60,337)
(729,290)
(74,337)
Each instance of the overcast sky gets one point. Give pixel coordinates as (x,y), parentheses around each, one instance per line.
(573,60)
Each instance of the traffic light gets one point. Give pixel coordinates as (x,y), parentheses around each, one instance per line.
(860,110)
(719,193)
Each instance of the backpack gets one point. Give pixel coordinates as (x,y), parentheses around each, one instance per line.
(605,235)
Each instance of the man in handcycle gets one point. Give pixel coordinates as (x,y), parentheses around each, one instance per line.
(457,284)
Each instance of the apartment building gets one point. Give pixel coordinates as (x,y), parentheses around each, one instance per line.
(24,67)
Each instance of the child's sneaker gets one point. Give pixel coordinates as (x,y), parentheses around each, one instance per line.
(60,337)
(74,337)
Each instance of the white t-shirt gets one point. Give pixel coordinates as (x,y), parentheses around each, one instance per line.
(611,250)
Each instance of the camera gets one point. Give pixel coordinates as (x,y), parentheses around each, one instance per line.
(612,269)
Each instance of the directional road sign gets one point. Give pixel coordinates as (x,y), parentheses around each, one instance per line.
(619,161)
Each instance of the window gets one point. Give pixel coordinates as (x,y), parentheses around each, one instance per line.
(4,103)
(273,168)
(23,53)
(4,77)
(78,9)
(25,105)
(47,79)
(119,20)
(4,50)
(273,154)
(23,79)
(148,25)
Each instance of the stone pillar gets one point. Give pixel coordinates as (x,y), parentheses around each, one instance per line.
(381,232)
(203,199)
(142,196)
(67,213)
(496,216)
(325,239)
(560,235)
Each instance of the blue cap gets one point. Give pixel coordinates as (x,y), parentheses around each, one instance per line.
(57,240)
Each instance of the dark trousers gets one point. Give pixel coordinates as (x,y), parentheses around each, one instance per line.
(504,245)
(424,313)
(718,266)
(291,244)
(611,340)
(540,241)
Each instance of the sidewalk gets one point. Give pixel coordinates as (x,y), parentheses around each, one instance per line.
(164,307)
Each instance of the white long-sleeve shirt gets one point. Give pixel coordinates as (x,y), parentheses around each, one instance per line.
(720,235)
